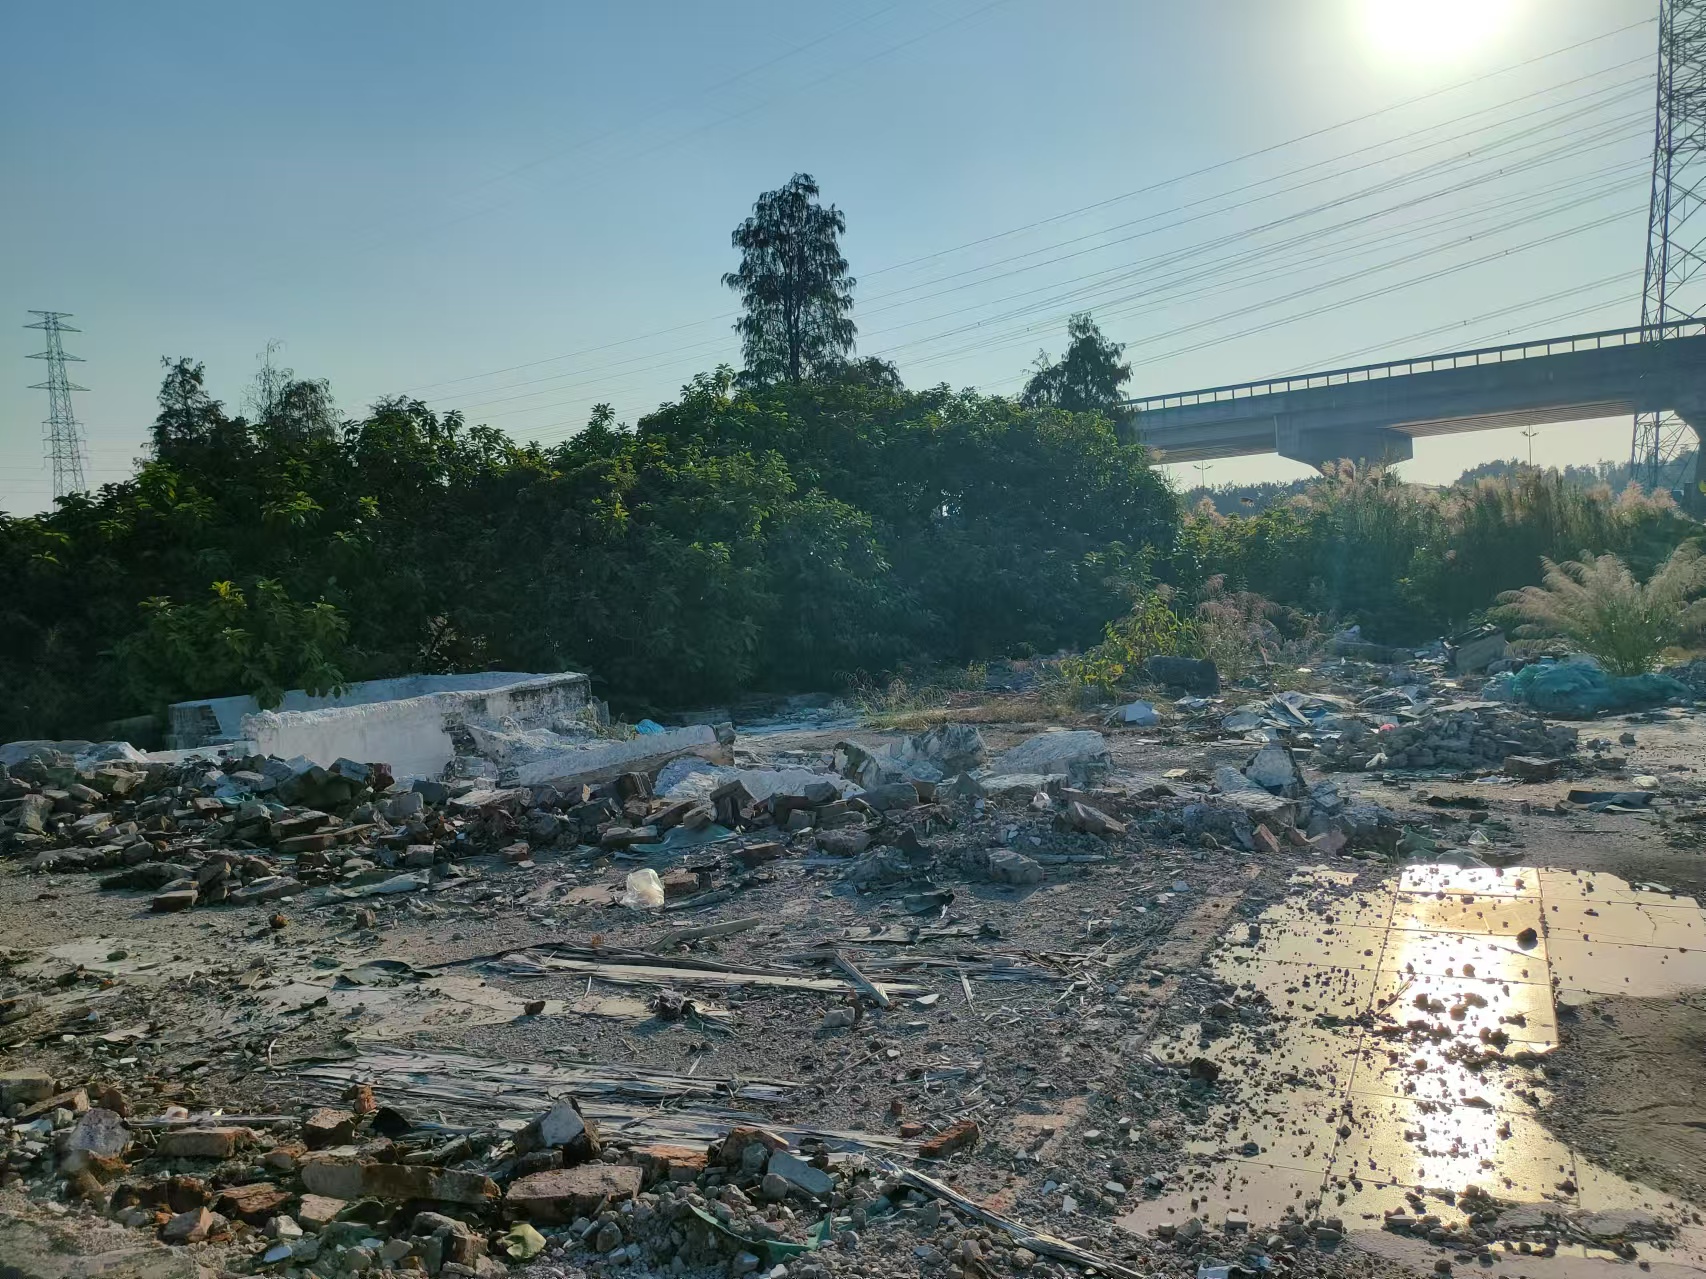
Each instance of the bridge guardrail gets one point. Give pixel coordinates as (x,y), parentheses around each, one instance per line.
(1423,364)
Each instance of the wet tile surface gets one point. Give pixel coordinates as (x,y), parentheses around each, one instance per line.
(1402,1048)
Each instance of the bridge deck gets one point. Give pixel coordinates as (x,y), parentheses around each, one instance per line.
(1381,407)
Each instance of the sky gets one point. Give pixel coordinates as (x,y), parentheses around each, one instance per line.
(522,210)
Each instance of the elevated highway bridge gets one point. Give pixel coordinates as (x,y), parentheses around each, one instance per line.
(1376,412)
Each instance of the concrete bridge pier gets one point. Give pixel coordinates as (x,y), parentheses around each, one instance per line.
(1374,445)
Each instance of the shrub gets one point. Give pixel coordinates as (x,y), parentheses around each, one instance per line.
(1150,629)
(1240,630)
(1598,605)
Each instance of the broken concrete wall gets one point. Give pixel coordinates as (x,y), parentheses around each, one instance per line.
(210,720)
(412,734)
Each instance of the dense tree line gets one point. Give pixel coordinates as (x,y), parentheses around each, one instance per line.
(779,534)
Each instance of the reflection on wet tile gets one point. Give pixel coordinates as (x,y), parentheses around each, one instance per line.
(1259,1059)
(1464,955)
(1354,910)
(1323,875)
(1507,882)
(1451,1073)
(1418,1143)
(1469,1010)
(1488,915)
(1402,1047)
(1633,923)
(1311,989)
(1310,942)
(1363,1198)
(1290,1128)
(1610,968)
(1261,1192)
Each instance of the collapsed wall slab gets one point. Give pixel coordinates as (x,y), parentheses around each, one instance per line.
(208,721)
(412,734)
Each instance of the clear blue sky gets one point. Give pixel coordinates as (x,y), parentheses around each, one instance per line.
(415,197)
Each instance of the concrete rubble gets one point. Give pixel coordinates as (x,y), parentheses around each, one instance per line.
(991,997)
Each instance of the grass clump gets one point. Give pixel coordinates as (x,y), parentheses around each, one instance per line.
(1600,606)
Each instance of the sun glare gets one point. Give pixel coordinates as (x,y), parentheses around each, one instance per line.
(1435,30)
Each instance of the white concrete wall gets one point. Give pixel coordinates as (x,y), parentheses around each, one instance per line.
(187,717)
(411,734)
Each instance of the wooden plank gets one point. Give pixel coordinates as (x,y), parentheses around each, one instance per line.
(864,983)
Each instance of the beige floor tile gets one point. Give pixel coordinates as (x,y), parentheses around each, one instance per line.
(1632,923)
(1261,1192)
(1559,887)
(1289,1128)
(1611,968)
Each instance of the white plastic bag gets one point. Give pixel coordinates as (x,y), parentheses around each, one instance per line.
(645,890)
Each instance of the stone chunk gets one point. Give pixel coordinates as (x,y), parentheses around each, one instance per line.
(256,1203)
(191,1227)
(801,1175)
(1073,752)
(266,889)
(100,1133)
(202,1143)
(170,902)
(1531,768)
(559,1196)
(76,1100)
(560,1128)
(315,1212)
(844,843)
(345,1178)
(891,795)
(1004,866)
(21,1087)
(1272,770)
(328,1127)
(662,1161)
(1092,821)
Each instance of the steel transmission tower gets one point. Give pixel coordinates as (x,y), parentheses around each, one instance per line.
(64,437)
(1676,220)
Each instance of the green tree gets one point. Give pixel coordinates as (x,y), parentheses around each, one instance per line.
(793,284)
(1087,379)
(230,644)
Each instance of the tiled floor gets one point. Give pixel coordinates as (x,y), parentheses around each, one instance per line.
(1388,1068)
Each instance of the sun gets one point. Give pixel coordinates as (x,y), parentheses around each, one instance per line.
(1435,30)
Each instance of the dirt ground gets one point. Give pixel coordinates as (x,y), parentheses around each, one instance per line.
(1630,1078)
(1045,1013)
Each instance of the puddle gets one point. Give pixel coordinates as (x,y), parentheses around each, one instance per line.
(1403,1051)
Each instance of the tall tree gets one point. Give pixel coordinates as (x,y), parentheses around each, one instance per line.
(793,284)
(1087,379)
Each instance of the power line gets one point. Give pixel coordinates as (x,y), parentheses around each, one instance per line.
(540,434)
(1079,298)
(479,401)
(1342,124)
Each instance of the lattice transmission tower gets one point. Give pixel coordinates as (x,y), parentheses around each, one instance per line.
(1674,287)
(61,433)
